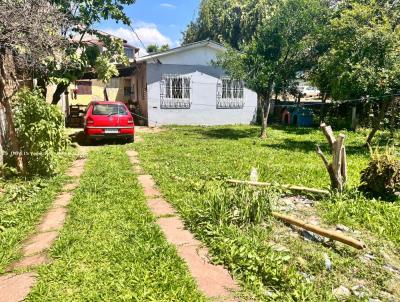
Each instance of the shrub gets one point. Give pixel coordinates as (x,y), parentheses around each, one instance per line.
(382,176)
(240,206)
(41,132)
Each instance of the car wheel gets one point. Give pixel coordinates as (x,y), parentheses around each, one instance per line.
(130,139)
(88,141)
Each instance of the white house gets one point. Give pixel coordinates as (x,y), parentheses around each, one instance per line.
(181,86)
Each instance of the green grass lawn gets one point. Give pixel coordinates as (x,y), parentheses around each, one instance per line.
(190,164)
(21,207)
(111,248)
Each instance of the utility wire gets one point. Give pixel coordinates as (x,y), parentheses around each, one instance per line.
(140,40)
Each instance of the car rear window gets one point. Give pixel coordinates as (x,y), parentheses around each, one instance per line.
(109,109)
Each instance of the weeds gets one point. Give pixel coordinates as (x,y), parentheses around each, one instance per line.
(241,206)
(260,252)
(355,210)
(21,205)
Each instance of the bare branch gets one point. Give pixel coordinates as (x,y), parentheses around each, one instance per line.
(323,157)
(32,30)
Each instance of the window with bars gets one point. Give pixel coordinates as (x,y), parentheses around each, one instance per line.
(230,94)
(175,92)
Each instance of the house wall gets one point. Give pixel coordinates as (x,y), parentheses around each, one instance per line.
(115,93)
(141,84)
(203,110)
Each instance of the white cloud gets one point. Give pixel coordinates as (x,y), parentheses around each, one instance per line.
(147,32)
(167,5)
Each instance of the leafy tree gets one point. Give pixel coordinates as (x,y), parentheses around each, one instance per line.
(30,41)
(152,48)
(232,22)
(282,45)
(363,59)
(84,16)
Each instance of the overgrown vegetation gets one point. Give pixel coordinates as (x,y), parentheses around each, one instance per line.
(41,132)
(356,210)
(22,203)
(235,223)
(110,248)
(24,198)
(240,207)
(272,261)
(382,176)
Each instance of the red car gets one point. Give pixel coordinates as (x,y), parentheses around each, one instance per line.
(108,120)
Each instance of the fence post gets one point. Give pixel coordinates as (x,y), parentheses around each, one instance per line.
(354,118)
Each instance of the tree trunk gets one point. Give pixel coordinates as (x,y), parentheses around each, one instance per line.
(42,85)
(323,108)
(393,114)
(337,170)
(105,94)
(266,107)
(8,88)
(377,123)
(1,142)
(61,88)
(15,148)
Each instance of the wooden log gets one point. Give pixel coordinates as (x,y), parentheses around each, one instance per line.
(320,231)
(337,161)
(288,187)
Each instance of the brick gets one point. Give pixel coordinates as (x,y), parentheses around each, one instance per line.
(39,243)
(53,220)
(15,288)
(160,207)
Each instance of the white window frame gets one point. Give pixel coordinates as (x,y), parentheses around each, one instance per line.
(176,91)
(230,94)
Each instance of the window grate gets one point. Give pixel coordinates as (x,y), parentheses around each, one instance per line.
(175,92)
(230,94)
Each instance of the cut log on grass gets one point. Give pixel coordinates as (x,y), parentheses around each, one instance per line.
(320,231)
(287,187)
(338,168)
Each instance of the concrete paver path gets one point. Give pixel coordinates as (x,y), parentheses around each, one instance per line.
(213,280)
(15,287)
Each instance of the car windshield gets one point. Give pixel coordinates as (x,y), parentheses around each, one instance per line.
(109,109)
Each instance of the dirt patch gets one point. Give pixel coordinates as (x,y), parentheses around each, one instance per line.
(150,130)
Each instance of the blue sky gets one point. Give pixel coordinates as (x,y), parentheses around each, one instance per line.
(156,21)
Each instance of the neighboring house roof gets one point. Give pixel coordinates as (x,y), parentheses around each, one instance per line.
(206,43)
(94,40)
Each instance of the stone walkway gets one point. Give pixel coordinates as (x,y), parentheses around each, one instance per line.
(214,281)
(16,286)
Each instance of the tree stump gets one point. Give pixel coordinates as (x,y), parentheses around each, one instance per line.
(338,168)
